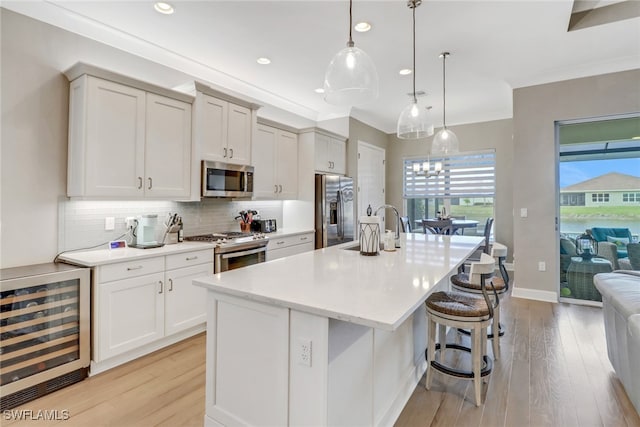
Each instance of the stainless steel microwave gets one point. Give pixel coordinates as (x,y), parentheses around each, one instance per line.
(226,180)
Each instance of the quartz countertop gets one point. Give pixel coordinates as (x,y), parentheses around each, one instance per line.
(97,257)
(376,291)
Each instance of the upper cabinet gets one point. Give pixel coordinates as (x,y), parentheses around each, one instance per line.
(275,159)
(127,139)
(223,126)
(330,152)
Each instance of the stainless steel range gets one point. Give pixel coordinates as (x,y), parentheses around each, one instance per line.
(234,249)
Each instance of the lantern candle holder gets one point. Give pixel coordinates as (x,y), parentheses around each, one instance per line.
(586,247)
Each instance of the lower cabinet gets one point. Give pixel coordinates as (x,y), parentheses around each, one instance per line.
(289,245)
(138,303)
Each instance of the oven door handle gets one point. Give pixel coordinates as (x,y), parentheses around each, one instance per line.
(243,253)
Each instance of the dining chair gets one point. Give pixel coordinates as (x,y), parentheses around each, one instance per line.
(437,226)
(406,225)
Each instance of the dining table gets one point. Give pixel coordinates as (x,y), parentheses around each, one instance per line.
(456,224)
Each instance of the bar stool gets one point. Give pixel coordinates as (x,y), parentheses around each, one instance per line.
(462,310)
(461,282)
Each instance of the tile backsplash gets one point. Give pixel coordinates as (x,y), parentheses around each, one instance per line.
(82,223)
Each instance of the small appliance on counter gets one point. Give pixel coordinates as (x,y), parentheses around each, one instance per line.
(144,232)
(264,226)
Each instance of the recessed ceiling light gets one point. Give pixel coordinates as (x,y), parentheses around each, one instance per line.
(405,71)
(362,27)
(163,7)
(319,90)
(263,61)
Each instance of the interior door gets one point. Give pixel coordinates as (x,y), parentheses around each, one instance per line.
(371,178)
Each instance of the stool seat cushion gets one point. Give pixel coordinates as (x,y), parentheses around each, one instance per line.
(457,304)
(462,280)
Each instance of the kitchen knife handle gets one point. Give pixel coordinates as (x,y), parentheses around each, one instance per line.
(139,183)
(170,285)
(161,286)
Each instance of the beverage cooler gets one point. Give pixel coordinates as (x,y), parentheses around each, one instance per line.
(44,327)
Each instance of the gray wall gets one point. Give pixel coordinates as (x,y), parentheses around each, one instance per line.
(536,109)
(473,137)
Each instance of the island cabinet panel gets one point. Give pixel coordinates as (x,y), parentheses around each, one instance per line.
(250,342)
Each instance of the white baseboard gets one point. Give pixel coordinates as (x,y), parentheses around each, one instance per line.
(534,294)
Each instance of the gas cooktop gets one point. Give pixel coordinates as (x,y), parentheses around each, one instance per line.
(229,241)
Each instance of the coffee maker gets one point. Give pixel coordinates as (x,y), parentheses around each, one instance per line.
(144,232)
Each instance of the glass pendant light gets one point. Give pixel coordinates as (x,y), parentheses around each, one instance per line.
(445,141)
(351,78)
(414,122)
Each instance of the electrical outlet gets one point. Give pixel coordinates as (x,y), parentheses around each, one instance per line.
(303,353)
(542,266)
(109,223)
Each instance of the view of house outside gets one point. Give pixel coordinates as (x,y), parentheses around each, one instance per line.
(600,193)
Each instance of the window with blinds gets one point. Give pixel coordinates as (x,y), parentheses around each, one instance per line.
(465,175)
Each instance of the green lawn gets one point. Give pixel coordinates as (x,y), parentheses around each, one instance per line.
(586,212)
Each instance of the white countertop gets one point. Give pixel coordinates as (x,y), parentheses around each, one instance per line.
(93,258)
(377,291)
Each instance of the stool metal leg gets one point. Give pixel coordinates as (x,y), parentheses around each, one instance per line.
(476,349)
(442,339)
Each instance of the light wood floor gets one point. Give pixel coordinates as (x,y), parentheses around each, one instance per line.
(553,371)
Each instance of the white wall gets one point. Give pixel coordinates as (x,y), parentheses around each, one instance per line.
(536,109)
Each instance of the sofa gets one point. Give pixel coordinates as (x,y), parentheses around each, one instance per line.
(620,292)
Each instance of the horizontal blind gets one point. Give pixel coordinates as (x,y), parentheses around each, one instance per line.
(463,175)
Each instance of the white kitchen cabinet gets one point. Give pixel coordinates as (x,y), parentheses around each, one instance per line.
(126,142)
(185,304)
(275,154)
(142,305)
(223,129)
(280,247)
(330,153)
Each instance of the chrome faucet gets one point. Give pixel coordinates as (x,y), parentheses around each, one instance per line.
(397,245)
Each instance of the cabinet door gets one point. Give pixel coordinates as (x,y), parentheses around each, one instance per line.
(130,314)
(264,152)
(287,165)
(239,135)
(114,140)
(167,148)
(185,303)
(337,155)
(321,153)
(212,119)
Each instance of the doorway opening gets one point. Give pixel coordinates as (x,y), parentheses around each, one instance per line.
(598,201)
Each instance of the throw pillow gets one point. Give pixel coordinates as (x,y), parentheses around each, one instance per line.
(568,247)
(618,241)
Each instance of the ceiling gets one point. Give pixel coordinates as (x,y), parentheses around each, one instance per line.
(495,46)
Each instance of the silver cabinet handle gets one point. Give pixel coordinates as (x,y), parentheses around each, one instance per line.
(139,183)
(137,267)
(303,238)
(161,285)
(329,161)
(150,183)
(280,188)
(276,190)
(190,258)
(170,285)
(280,243)
(231,151)
(225,152)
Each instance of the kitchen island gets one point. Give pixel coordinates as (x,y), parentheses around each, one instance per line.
(328,337)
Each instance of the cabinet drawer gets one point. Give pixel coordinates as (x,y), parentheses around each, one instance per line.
(189,258)
(288,251)
(125,270)
(286,241)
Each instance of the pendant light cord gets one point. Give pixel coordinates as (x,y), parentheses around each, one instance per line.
(444,93)
(415,100)
(350,42)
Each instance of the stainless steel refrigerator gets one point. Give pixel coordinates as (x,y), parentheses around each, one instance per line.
(334,220)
